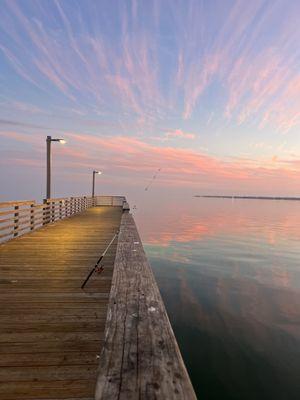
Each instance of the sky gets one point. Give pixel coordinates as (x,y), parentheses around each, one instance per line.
(203,93)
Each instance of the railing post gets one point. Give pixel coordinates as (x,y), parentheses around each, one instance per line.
(71,205)
(46,212)
(60,209)
(66,207)
(16,221)
(52,211)
(32,216)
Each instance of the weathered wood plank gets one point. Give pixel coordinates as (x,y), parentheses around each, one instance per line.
(70,389)
(47,373)
(52,347)
(30,359)
(140,358)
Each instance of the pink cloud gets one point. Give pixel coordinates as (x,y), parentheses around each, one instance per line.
(178,133)
(183,166)
(19,137)
(17,65)
(200,76)
(135,160)
(199,65)
(284,113)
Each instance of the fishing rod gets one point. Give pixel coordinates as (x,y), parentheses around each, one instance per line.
(100,259)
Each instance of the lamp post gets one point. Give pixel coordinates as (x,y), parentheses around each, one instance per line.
(93,189)
(48,142)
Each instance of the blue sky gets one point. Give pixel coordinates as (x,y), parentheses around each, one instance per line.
(209,91)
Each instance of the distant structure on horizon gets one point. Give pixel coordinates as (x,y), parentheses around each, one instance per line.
(249,197)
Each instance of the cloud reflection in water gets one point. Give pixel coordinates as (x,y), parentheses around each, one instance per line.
(229,276)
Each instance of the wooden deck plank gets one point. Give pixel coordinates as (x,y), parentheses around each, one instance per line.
(48,359)
(67,390)
(51,332)
(52,347)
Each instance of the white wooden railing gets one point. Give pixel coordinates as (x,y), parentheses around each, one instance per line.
(19,217)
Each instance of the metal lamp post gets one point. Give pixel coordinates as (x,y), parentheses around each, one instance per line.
(48,142)
(93,189)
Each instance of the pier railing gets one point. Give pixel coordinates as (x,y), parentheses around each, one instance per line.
(19,217)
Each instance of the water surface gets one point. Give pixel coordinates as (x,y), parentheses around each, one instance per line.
(229,274)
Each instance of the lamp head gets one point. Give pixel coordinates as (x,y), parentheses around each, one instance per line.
(62,141)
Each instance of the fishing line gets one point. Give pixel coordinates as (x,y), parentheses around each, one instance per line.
(149,184)
(153,179)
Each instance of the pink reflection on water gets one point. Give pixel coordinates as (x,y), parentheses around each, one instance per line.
(194,219)
(231,286)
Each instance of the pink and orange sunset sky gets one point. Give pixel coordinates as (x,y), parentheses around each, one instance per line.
(208,91)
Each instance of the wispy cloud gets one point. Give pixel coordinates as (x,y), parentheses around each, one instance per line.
(19,137)
(127,72)
(135,159)
(182,165)
(178,133)
(124,75)
(254,69)
(113,76)
(4,123)
(20,106)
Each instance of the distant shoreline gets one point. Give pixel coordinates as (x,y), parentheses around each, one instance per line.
(250,197)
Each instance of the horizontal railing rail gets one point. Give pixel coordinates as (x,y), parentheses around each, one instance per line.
(19,217)
(110,200)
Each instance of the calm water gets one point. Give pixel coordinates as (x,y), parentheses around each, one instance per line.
(229,273)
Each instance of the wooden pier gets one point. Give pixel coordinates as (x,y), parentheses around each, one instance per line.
(58,341)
